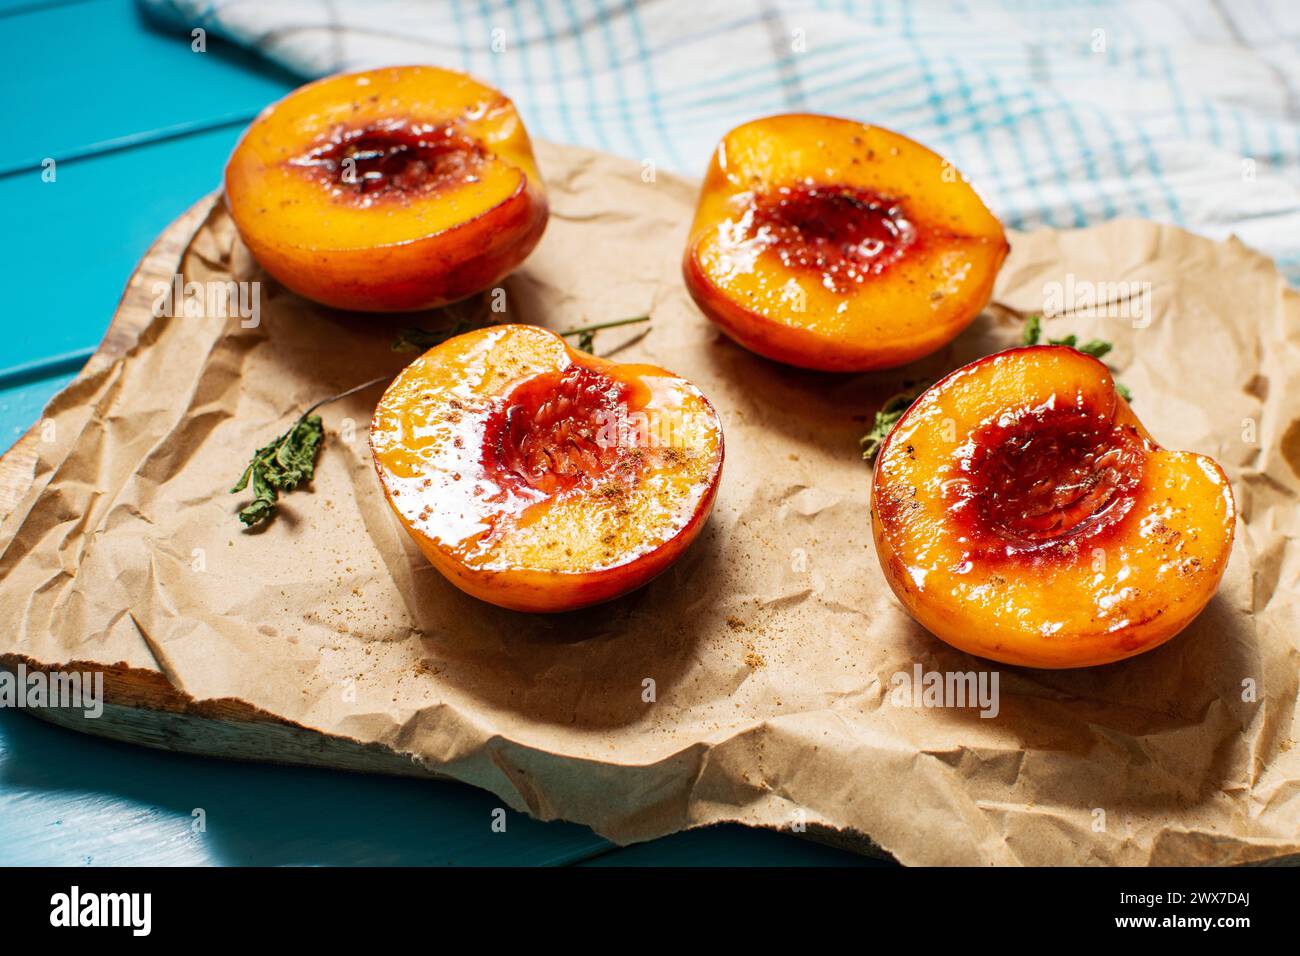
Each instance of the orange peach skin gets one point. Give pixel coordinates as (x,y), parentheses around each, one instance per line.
(390,256)
(914,307)
(543,554)
(1074,605)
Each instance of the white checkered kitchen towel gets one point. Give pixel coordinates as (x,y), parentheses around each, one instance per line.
(1062,114)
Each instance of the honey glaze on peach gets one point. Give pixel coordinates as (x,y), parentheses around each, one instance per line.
(551,432)
(1046,478)
(395,159)
(844,234)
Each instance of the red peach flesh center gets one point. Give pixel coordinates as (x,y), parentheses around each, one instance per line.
(1052,477)
(846,235)
(393,159)
(548,432)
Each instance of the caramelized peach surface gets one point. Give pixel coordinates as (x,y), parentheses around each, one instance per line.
(540,478)
(1022,513)
(828,244)
(390,190)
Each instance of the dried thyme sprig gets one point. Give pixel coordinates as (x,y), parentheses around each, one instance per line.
(288,461)
(415,339)
(888,417)
(587,333)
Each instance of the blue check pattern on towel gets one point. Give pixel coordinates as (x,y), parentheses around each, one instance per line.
(1061,114)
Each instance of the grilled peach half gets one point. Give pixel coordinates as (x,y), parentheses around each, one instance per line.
(828,244)
(540,478)
(1022,513)
(390,190)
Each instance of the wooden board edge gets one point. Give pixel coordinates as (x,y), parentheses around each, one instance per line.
(141,707)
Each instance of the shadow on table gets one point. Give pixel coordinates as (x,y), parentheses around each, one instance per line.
(264,815)
(267,815)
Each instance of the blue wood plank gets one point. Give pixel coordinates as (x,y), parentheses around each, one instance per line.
(22,404)
(86,76)
(67,799)
(14,7)
(83,234)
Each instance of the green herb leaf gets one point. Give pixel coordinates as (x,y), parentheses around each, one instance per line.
(587,333)
(415,339)
(888,417)
(1094,347)
(281,465)
(1033,330)
(287,462)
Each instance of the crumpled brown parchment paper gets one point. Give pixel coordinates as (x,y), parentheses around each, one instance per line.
(754,681)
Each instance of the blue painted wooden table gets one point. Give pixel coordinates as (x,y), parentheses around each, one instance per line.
(138,127)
